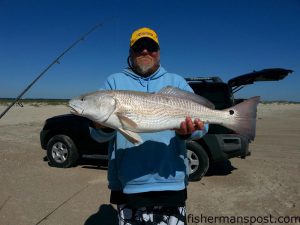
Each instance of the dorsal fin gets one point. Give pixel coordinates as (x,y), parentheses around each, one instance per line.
(169,90)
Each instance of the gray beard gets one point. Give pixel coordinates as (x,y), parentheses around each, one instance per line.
(144,69)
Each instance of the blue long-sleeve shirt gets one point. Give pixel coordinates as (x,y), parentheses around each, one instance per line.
(160,162)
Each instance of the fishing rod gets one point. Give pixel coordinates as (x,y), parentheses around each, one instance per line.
(56,60)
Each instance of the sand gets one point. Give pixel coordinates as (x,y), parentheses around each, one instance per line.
(266,184)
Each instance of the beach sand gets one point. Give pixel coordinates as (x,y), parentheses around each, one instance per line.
(31,192)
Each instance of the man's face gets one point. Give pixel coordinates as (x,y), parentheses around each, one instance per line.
(145,56)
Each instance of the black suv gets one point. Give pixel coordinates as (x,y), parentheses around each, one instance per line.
(67,137)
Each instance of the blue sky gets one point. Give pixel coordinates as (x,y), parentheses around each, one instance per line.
(198,38)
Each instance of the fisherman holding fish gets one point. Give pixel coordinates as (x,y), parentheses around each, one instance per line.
(148,180)
(147,114)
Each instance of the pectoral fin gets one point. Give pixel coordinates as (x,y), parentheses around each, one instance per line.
(126,121)
(131,136)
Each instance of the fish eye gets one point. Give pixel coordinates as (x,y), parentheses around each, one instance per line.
(231,112)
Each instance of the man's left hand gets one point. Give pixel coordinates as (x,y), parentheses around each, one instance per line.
(187,127)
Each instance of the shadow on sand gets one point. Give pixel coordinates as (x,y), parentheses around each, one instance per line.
(106,215)
(222,168)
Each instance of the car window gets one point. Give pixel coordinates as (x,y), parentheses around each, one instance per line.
(217,93)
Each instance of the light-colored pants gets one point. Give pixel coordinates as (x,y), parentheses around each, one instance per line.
(157,215)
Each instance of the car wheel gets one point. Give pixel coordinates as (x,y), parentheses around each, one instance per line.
(62,152)
(198,161)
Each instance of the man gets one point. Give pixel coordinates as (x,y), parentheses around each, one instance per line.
(148,182)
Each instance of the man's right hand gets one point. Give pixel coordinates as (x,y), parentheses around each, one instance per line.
(104,128)
(98,125)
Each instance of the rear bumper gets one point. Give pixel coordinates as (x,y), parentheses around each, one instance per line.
(233,146)
(226,146)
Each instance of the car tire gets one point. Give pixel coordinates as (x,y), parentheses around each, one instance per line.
(198,160)
(62,152)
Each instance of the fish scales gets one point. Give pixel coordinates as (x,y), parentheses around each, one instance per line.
(146,111)
(160,110)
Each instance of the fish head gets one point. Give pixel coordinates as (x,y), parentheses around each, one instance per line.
(97,106)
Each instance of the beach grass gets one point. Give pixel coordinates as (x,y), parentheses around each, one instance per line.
(34,102)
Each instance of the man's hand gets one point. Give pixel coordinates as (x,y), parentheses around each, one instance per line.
(98,125)
(187,127)
(103,128)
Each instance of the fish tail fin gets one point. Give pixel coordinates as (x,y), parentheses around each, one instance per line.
(244,114)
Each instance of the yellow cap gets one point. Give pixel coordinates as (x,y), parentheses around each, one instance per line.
(141,33)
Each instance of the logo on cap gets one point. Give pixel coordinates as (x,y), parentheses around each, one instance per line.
(141,33)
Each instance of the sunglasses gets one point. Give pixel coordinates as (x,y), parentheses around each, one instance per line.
(143,44)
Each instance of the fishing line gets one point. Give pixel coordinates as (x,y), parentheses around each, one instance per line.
(56,60)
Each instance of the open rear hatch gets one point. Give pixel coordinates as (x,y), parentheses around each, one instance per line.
(273,74)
